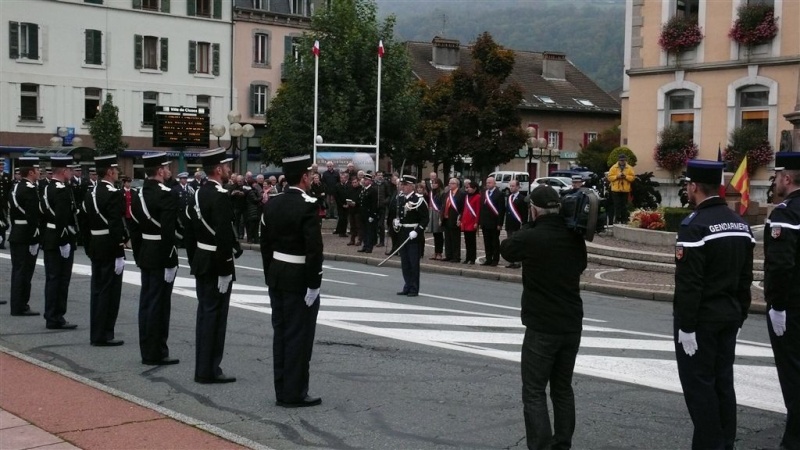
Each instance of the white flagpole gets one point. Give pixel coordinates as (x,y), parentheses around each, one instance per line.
(316,96)
(378,120)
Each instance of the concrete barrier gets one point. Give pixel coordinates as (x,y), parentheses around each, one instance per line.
(644,236)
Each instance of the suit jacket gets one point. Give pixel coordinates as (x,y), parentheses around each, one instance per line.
(104,233)
(290,225)
(154,243)
(59,222)
(493,209)
(452,209)
(24,215)
(214,233)
(368,202)
(521,207)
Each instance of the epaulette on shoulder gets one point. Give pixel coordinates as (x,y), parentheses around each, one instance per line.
(688,219)
(308,198)
(164,187)
(60,185)
(111,188)
(30,185)
(221,189)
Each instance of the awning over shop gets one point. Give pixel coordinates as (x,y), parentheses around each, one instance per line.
(82,155)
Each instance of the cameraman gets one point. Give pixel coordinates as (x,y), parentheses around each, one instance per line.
(553,258)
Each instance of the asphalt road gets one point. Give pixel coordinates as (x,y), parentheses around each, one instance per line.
(437,371)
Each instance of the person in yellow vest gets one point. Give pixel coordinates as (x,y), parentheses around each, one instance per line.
(621,177)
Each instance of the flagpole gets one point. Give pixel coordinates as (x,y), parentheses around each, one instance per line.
(378,120)
(316,96)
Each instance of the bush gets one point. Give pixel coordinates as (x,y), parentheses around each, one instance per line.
(614,155)
(673,218)
(751,141)
(644,192)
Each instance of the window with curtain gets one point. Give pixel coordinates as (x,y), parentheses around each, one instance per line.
(681,110)
(753,105)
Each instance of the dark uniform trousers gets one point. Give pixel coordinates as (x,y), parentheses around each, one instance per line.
(707,381)
(155,304)
(409,259)
(452,242)
(491,242)
(106,289)
(788,364)
(22,267)
(58,272)
(295,324)
(370,232)
(212,322)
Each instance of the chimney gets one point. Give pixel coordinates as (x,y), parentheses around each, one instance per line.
(445,52)
(554,65)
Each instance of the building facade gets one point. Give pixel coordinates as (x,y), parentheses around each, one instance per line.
(712,89)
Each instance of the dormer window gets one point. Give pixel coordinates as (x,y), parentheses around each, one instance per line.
(545,99)
(584,102)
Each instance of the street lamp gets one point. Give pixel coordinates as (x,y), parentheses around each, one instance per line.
(62,133)
(236,131)
(540,149)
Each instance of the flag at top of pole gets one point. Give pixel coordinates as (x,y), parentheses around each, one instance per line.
(315,50)
(380,49)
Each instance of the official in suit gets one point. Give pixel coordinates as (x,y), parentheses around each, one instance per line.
(5,189)
(410,223)
(25,237)
(493,214)
(291,251)
(212,266)
(368,206)
(105,241)
(453,204)
(154,211)
(59,233)
(516,214)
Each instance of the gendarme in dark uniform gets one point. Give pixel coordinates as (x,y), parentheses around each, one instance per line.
(291,250)
(782,289)
(411,221)
(713,273)
(105,238)
(5,190)
(59,234)
(212,266)
(25,237)
(368,210)
(155,215)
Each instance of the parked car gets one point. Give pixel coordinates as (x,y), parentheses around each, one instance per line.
(502,178)
(557,183)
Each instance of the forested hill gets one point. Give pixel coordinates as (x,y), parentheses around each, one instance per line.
(590,32)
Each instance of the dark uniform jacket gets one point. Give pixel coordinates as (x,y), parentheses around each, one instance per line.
(368,202)
(520,206)
(713,266)
(104,233)
(782,255)
(553,258)
(59,222)
(184,193)
(5,191)
(290,225)
(155,219)
(213,231)
(453,209)
(24,214)
(493,209)
(412,210)
(340,193)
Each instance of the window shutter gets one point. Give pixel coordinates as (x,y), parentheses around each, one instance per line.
(164,54)
(13,40)
(585,140)
(192,57)
(560,140)
(215,59)
(252,100)
(191,8)
(217,13)
(165,6)
(98,46)
(87,54)
(137,4)
(33,40)
(287,47)
(137,51)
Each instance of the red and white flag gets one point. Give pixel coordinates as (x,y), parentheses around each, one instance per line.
(380,49)
(315,50)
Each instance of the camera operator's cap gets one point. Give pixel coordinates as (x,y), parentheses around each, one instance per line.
(787,161)
(28,161)
(214,157)
(62,161)
(293,165)
(183,175)
(577,178)
(104,162)
(545,197)
(704,172)
(408,179)
(152,160)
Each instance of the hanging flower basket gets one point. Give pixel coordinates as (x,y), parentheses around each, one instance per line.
(674,149)
(750,141)
(755,25)
(680,34)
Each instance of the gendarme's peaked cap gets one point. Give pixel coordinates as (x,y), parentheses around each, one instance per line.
(215,157)
(152,160)
(787,161)
(28,161)
(62,161)
(296,164)
(409,179)
(105,161)
(704,172)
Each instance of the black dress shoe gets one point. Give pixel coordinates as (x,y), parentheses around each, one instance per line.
(361,250)
(3,302)
(446,260)
(26,313)
(379,245)
(161,362)
(61,326)
(412,294)
(214,380)
(308,401)
(111,343)
(486,263)
(402,293)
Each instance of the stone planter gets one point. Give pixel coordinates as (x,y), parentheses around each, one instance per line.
(644,236)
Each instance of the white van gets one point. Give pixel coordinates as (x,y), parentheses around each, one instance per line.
(502,178)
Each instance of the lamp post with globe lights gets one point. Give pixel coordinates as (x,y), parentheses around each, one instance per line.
(236,131)
(539,148)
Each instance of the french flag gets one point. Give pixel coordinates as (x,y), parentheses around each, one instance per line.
(315,50)
(380,49)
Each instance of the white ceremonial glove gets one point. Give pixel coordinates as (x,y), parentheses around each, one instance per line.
(689,341)
(778,319)
(738,333)
(311,296)
(396,223)
(169,274)
(65,250)
(119,265)
(34,249)
(371,220)
(72,230)
(2,224)
(413,234)
(223,283)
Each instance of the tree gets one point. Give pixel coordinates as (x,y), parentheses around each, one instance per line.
(348,32)
(595,155)
(106,130)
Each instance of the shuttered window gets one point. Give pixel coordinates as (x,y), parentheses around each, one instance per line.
(94,47)
(23,40)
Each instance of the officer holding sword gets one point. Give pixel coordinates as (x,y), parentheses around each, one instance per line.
(410,223)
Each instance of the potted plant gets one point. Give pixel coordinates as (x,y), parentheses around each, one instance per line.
(674,149)
(755,25)
(749,140)
(680,34)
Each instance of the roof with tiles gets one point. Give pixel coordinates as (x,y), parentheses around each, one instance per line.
(575,93)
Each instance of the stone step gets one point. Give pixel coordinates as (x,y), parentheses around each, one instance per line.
(650,266)
(644,256)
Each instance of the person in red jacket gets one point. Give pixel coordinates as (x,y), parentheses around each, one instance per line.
(469,220)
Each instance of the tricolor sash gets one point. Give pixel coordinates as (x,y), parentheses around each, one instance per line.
(491,205)
(433,203)
(513,208)
(469,207)
(452,199)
